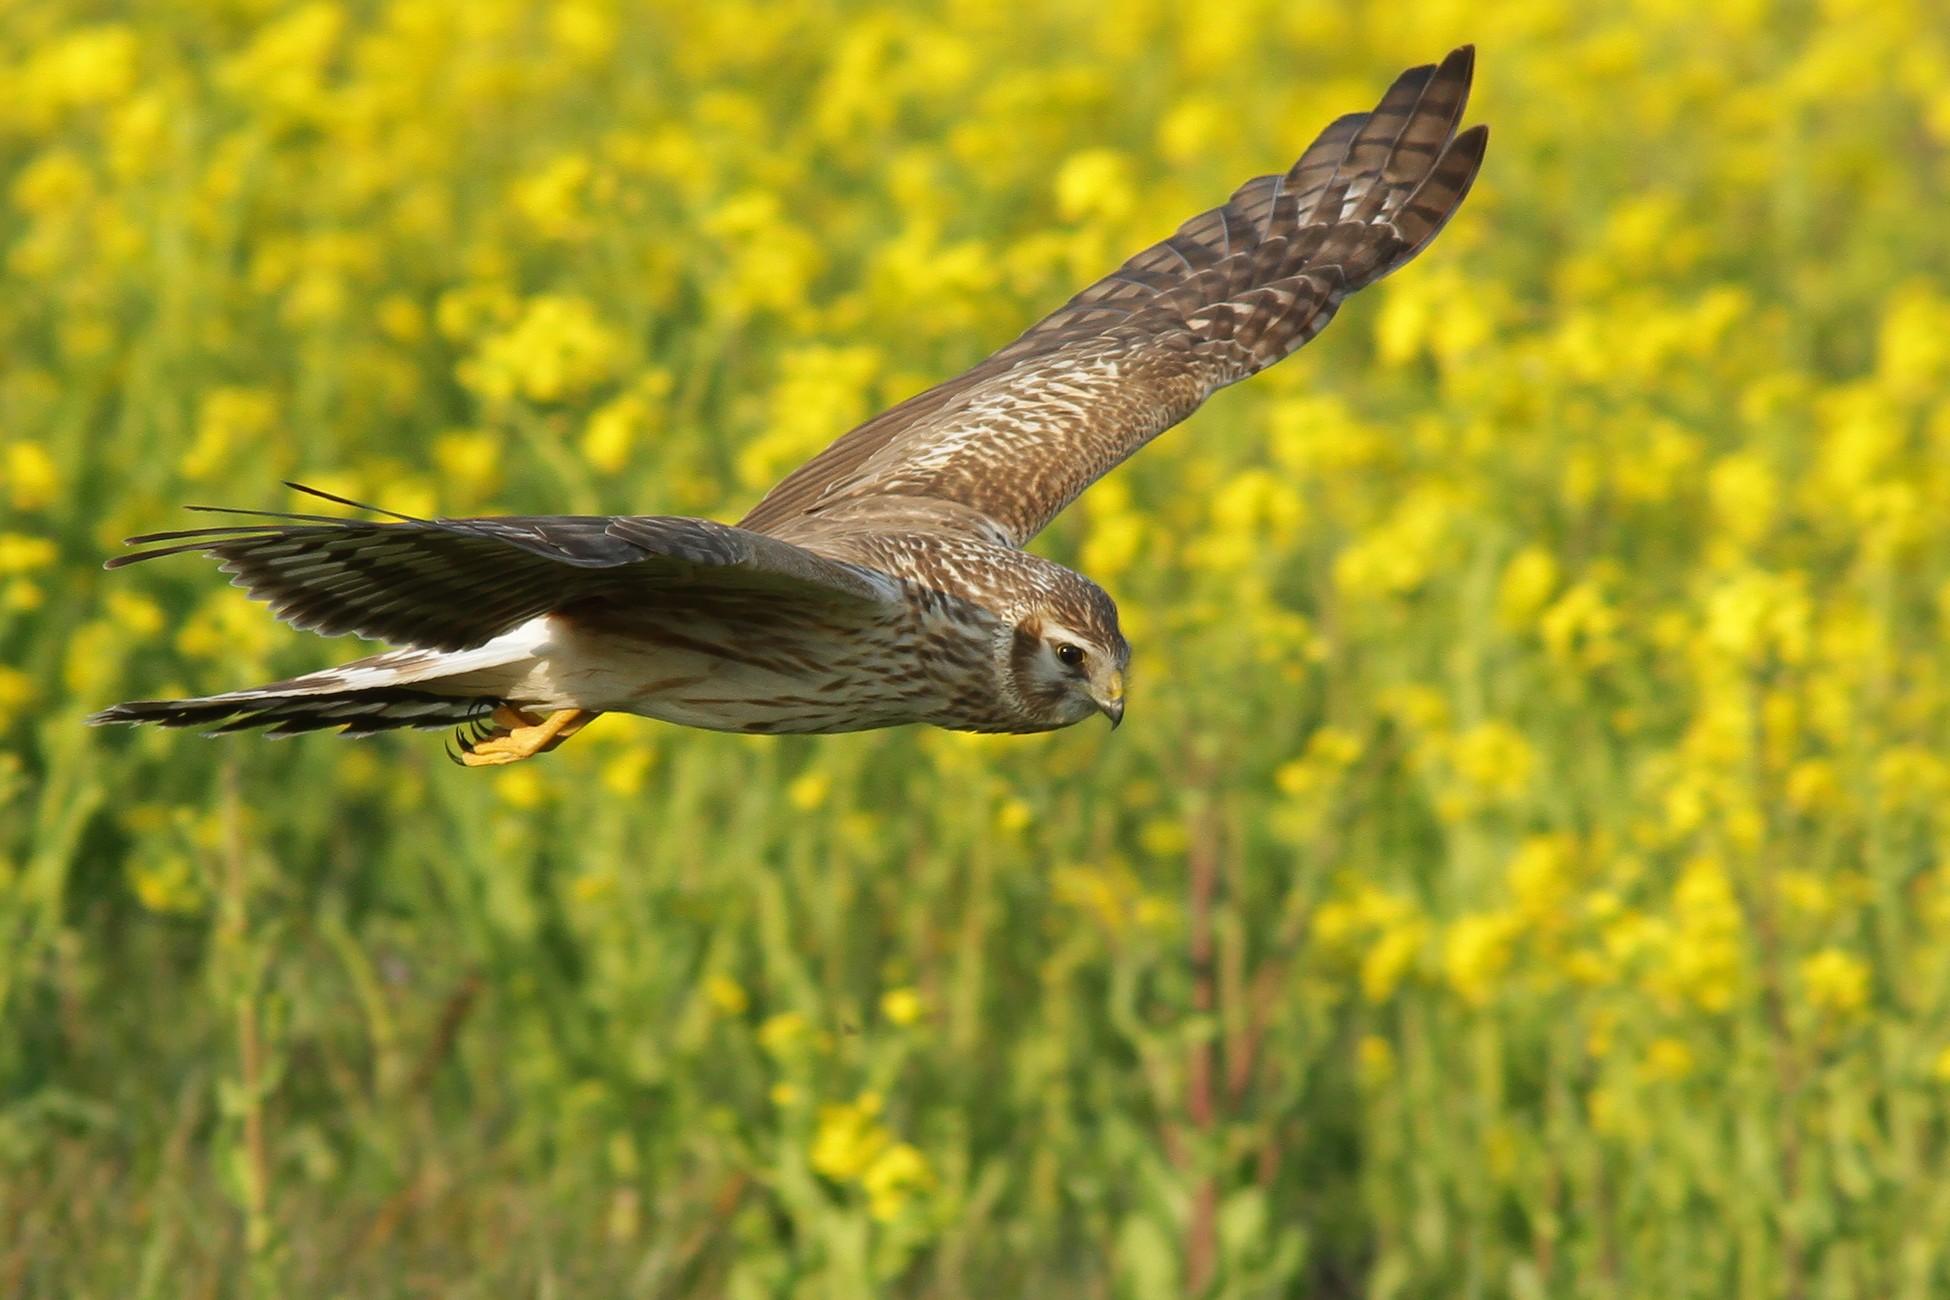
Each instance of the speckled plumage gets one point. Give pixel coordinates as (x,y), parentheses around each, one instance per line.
(882,582)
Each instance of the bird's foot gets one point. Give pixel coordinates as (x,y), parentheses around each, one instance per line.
(509,735)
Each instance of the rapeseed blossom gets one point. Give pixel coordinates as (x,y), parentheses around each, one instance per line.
(1835,981)
(31,476)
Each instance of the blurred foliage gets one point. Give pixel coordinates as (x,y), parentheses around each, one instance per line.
(1522,871)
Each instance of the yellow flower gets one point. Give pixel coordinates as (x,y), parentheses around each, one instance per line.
(1318,435)
(893,1179)
(624,774)
(821,391)
(470,311)
(612,432)
(783,1034)
(1095,184)
(31,478)
(225,626)
(1812,785)
(1540,880)
(93,660)
(1491,761)
(558,349)
(809,790)
(1913,345)
(726,995)
(137,615)
(469,461)
(1408,311)
(16,689)
(1418,708)
(168,884)
(1666,1058)
(1116,538)
(1330,752)
(1527,583)
(1399,555)
(552,199)
(1908,776)
(55,182)
(401,318)
(1189,129)
(1756,615)
(1745,493)
(1253,513)
(1164,837)
(1663,459)
(1476,953)
(228,418)
(90,65)
(848,1139)
(1391,958)
(1580,629)
(1807,892)
(585,32)
(901,1006)
(1835,981)
(772,261)
(1707,945)
(1110,893)
(1014,816)
(521,787)
(20,553)
(283,68)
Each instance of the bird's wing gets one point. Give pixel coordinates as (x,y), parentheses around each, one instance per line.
(1004,447)
(453,584)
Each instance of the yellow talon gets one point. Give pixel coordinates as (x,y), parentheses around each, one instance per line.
(519,734)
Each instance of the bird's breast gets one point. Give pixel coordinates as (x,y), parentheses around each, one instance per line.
(926,659)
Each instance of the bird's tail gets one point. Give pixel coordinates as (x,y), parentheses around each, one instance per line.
(403,688)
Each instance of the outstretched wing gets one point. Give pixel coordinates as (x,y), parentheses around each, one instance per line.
(454,584)
(1004,447)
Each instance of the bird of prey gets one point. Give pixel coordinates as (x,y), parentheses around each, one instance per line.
(884,581)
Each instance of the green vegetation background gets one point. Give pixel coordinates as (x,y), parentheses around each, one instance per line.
(1521,873)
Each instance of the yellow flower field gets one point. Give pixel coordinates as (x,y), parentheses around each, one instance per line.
(1522,872)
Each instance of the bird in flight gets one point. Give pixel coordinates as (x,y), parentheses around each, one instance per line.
(883,582)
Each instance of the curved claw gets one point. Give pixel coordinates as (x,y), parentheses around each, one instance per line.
(466,736)
(511,734)
(470,735)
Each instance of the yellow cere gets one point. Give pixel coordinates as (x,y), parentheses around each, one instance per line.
(1525,867)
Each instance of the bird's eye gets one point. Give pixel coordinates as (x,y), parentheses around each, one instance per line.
(1071,655)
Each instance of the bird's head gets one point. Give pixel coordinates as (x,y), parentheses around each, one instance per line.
(1066,657)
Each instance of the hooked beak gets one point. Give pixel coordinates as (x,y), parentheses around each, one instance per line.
(1112,700)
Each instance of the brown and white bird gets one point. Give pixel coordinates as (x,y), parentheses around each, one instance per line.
(883,582)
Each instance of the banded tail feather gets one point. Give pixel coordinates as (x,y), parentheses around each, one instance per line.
(416,688)
(287,709)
